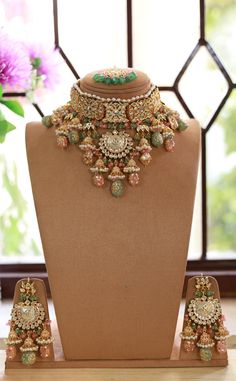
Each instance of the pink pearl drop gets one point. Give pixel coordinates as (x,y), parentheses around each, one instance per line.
(98,180)
(189,345)
(11,352)
(134,179)
(221,346)
(44,351)
(169,145)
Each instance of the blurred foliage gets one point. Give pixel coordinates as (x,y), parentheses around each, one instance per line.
(220,31)
(227,120)
(222,219)
(14,239)
(220,24)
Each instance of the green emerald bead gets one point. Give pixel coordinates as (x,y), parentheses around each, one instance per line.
(147,122)
(122,80)
(108,80)
(198,294)
(120,126)
(115,80)
(132,75)
(127,79)
(209,293)
(47,121)
(101,78)
(156,139)
(28,358)
(117,188)
(182,126)
(96,77)
(73,137)
(205,354)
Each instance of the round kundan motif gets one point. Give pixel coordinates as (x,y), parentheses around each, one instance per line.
(28,316)
(115,144)
(204,311)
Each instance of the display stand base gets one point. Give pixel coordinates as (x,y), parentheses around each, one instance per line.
(60,362)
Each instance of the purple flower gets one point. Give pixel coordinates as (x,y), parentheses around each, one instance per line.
(15,67)
(46,61)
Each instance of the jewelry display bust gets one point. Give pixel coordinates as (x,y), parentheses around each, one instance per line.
(115,265)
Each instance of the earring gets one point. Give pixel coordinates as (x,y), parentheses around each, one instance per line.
(203,322)
(12,341)
(28,325)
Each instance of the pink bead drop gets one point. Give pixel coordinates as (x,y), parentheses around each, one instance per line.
(62,141)
(169,145)
(44,351)
(98,180)
(189,345)
(134,179)
(11,352)
(221,346)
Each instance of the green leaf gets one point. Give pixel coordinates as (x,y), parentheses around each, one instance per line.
(36,62)
(0,90)
(5,127)
(2,117)
(14,106)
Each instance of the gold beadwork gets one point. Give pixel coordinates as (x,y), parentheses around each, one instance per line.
(113,111)
(112,132)
(86,106)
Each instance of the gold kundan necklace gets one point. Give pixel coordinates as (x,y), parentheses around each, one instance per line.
(114,133)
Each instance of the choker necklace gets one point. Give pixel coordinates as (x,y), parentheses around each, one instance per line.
(115,133)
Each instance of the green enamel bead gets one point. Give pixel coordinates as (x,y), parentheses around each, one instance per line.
(117,188)
(73,137)
(132,75)
(209,293)
(157,139)
(96,77)
(47,121)
(198,294)
(182,126)
(28,358)
(205,354)
(115,80)
(122,80)
(108,80)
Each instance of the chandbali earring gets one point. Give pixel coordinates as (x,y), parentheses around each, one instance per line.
(204,323)
(28,327)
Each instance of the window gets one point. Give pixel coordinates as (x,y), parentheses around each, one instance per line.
(186,47)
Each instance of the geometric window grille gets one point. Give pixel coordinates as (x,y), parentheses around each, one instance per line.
(175,88)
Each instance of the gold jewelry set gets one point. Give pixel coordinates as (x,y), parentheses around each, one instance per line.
(29,329)
(114,133)
(204,329)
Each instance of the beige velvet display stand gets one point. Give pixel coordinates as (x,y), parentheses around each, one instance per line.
(41,293)
(116,266)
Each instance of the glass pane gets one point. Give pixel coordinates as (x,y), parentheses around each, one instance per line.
(50,100)
(164,34)
(170,99)
(221,32)
(203,86)
(28,21)
(221,185)
(93,33)
(19,235)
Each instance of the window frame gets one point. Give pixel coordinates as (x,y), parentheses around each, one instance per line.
(223,270)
